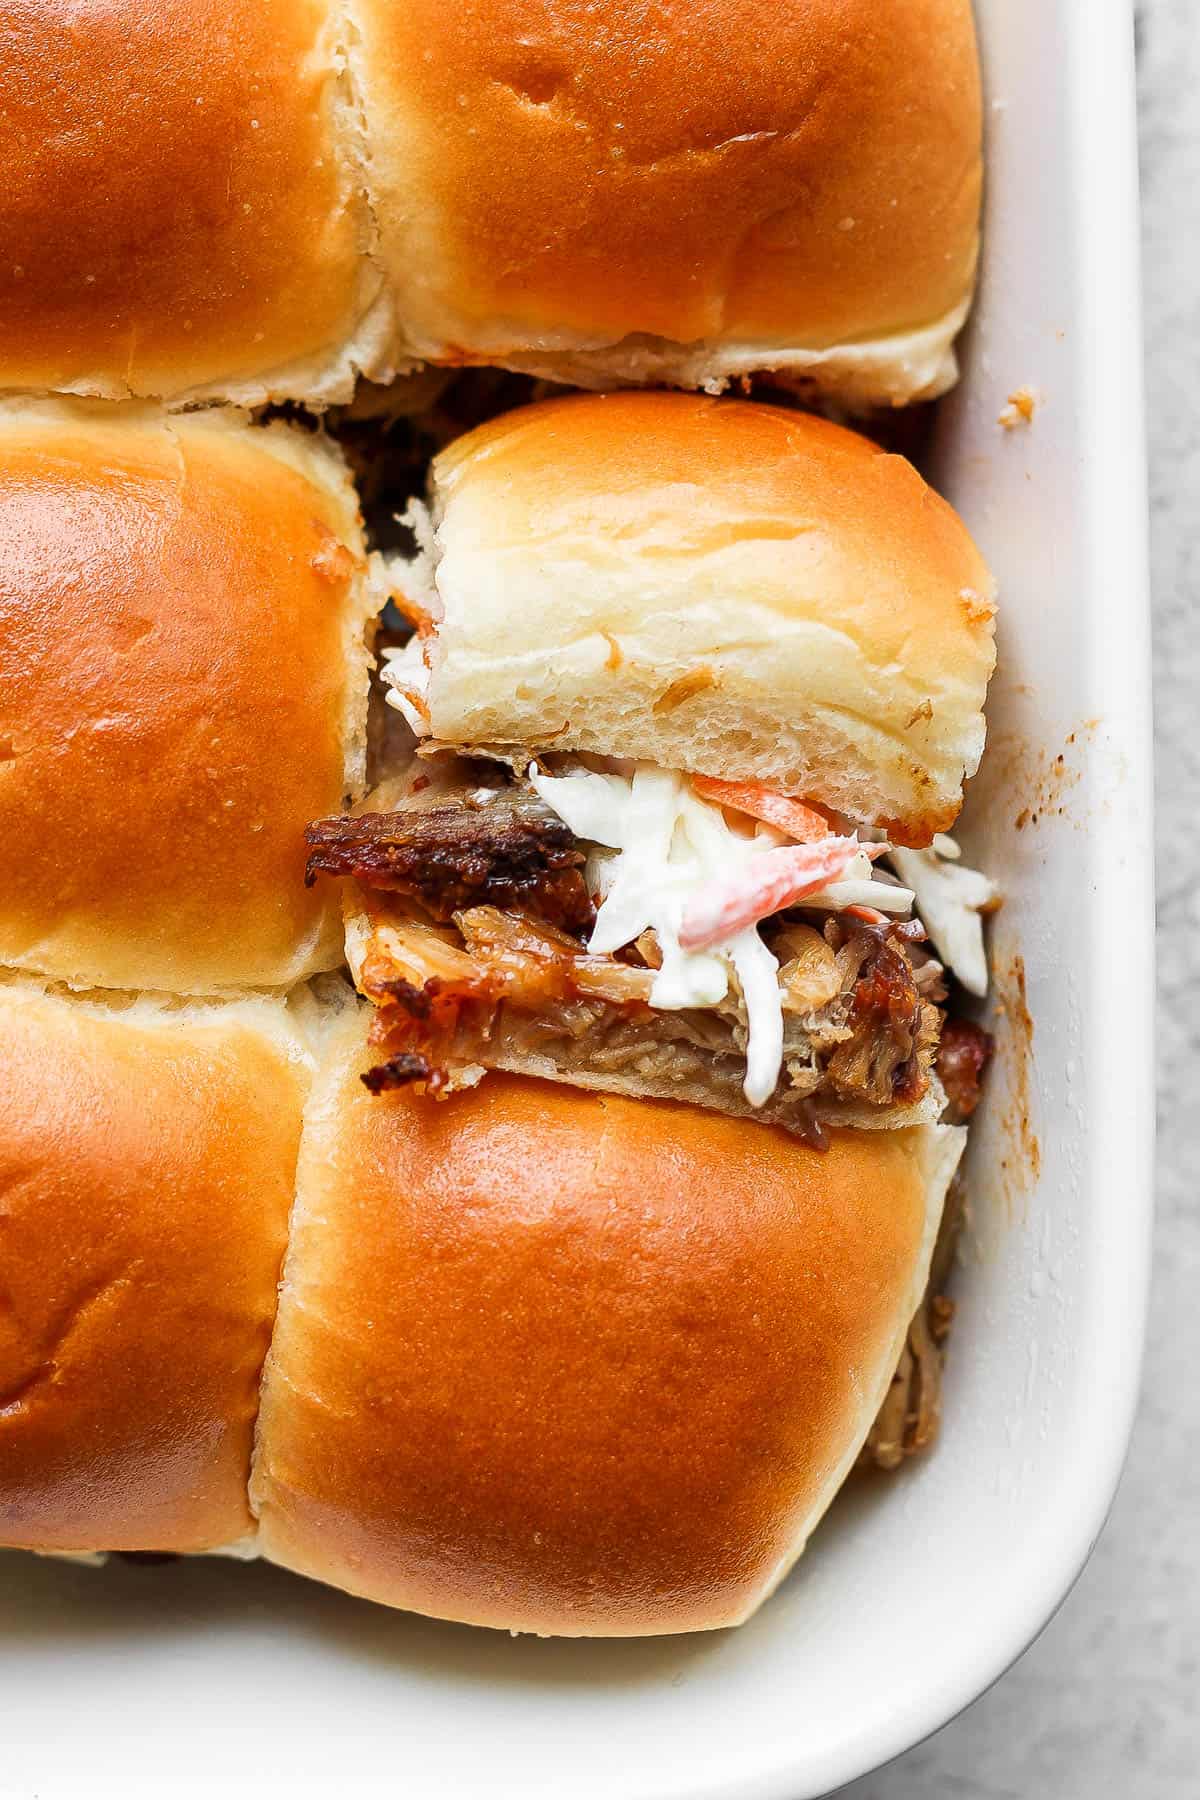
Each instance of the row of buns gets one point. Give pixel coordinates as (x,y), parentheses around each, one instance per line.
(495,1390)
(260,201)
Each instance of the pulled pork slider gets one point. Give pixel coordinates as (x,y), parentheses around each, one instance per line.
(147,1159)
(695,685)
(687,193)
(183,684)
(570,1364)
(181,206)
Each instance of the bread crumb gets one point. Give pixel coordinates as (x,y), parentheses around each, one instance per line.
(977,606)
(332,560)
(1022,403)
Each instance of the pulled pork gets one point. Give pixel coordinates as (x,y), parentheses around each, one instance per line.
(911,1413)
(963,1054)
(892,1032)
(499,845)
(476,898)
(509,991)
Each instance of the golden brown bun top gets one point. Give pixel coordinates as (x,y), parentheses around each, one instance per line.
(597,450)
(573,1364)
(717,585)
(182,687)
(801,174)
(146,1165)
(173,209)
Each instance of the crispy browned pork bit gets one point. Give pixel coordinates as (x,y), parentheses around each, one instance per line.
(963,1054)
(495,846)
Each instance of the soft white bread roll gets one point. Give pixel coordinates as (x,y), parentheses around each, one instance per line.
(180,201)
(147,1155)
(182,686)
(577,1365)
(717,586)
(685,194)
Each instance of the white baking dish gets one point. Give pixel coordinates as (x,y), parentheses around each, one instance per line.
(208,1677)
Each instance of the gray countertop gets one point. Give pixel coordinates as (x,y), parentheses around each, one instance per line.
(1106,1706)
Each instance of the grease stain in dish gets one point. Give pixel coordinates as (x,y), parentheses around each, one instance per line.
(1040,780)
(1021,1155)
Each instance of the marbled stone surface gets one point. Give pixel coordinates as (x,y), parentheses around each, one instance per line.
(1106,1706)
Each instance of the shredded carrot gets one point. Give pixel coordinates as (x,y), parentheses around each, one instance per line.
(794,818)
(771,882)
(870,915)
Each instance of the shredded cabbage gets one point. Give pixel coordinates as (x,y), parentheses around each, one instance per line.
(950,901)
(662,844)
(405,677)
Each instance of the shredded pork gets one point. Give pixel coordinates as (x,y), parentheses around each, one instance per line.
(911,1413)
(507,990)
(476,891)
(499,845)
(964,1052)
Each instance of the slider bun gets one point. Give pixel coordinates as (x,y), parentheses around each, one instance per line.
(576,1365)
(719,586)
(182,687)
(146,1164)
(180,210)
(712,189)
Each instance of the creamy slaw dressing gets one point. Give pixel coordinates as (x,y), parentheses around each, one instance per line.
(661,846)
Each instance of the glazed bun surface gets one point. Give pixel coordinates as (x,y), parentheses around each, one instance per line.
(179,209)
(718,586)
(146,1165)
(603,193)
(182,687)
(576,1365)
